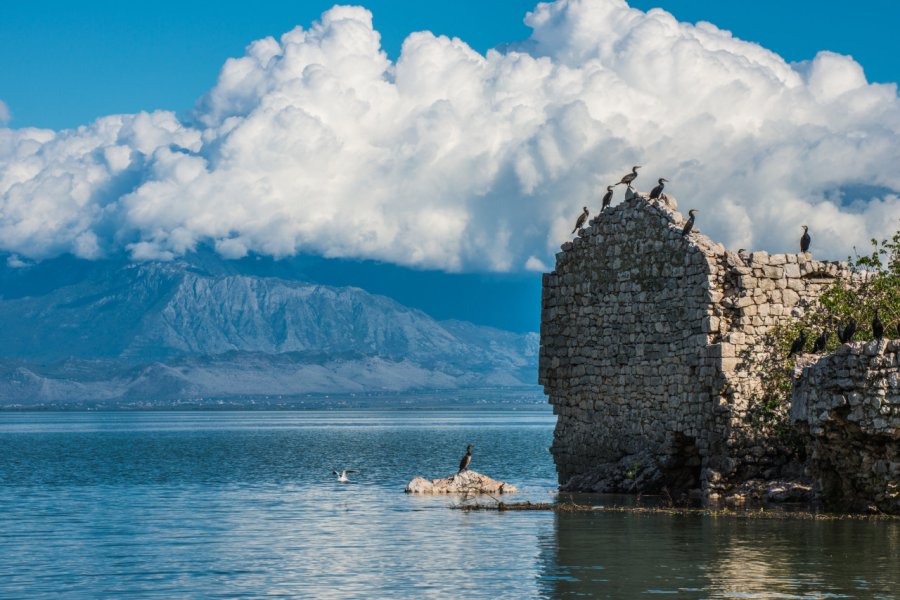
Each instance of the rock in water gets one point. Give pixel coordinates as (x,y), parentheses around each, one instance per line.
(467,482)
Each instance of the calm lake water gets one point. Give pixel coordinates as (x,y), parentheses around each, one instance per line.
(243,504)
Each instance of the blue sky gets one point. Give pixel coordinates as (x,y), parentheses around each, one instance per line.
(65,64)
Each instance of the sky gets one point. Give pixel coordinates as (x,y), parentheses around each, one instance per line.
(356,139)
(65,63)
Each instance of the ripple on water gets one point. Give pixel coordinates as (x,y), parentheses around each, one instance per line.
(243,504)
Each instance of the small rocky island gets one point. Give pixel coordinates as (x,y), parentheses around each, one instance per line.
(467,482)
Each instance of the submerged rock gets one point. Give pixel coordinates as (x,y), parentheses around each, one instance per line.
(467,482)
(770,491)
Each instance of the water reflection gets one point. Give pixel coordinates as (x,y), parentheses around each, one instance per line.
(231,505)
(611,555)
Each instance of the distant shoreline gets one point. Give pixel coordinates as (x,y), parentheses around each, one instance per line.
(478,400)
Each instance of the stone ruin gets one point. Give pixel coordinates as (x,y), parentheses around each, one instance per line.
(648,346)
(848,406)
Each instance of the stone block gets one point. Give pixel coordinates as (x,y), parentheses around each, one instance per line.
(792,270)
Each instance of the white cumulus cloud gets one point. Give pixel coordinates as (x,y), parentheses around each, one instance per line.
(317,142)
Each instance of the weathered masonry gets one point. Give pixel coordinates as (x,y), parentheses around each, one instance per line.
(848,405)
(645,336)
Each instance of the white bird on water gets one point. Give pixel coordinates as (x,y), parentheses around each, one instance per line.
(342,475)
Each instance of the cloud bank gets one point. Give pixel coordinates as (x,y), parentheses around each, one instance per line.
(316,142)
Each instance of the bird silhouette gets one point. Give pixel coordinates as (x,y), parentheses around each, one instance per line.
(798,344)
(690,224)
(821,341)
(805,239)
(877,327)
(607,197)
(581,219)
(657,191)
(464,463)
(627,179)
(846,334)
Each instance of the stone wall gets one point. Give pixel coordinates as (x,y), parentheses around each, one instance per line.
(848,404)
(647,343)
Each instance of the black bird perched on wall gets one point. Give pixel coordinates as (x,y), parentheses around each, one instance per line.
(798,344)
(581,219)
(690,224)
(657,191)
(821,341)
(877,327)
(464,463)
(607,198)
(630,177)
(846,334)
(805,240)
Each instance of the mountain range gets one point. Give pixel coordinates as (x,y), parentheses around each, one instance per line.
(203,329)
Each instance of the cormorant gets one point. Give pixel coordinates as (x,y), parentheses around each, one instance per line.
(690,224)
(581,219)
(798,344)
(342,475)
(657,191)
(607,198)
(630,177)
(804,241)
(846,334)
(464,463)
(821,341)
(877,327)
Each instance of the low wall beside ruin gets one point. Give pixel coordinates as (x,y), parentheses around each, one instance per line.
(848,406)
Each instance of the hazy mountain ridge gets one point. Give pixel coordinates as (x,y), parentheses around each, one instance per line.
(165,332)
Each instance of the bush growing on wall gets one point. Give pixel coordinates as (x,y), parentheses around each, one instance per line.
(845,300)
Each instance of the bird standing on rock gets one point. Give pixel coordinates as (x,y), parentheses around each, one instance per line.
(821,341)
(798,344)
(877,327)
(607,198)
(464,463)
(581,219)
(846,334)
(690,224)
(630,177)
(805,240)
(657,191)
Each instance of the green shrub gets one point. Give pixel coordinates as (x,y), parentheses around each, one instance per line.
(846,299)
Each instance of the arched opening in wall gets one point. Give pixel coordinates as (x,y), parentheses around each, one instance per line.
(682,470)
